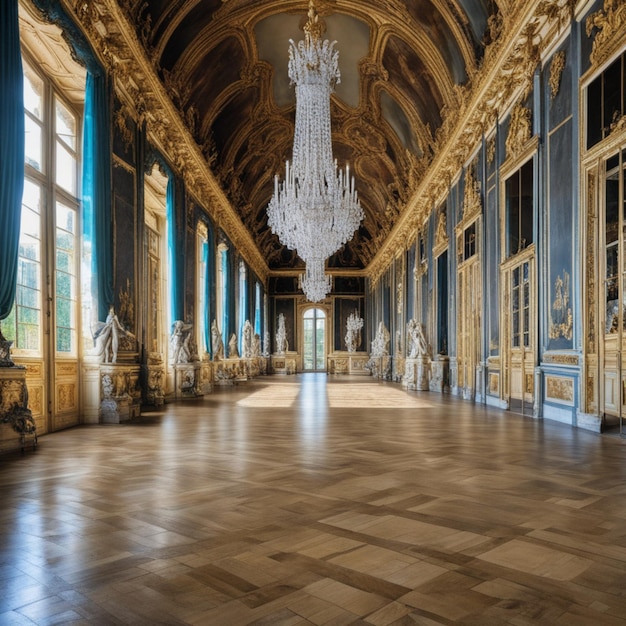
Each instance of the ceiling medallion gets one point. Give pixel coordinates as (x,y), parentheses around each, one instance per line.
(315,210)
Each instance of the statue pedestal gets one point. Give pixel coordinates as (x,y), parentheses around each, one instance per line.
(284,363)
(154,372)
(229,371)
(120,398)
(186,380)
(417,374)
(348,363)
(379,367)
(206,378)
(440,377)
(17,425)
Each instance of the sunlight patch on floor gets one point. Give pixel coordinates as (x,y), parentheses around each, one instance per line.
(275,395)
(372,396)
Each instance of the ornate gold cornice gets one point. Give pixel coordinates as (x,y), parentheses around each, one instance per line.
(610,24)
(506,74)
(148,101)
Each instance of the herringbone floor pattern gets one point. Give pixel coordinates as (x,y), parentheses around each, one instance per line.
(316,500)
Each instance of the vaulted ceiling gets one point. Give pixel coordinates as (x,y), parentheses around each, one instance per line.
(224,64)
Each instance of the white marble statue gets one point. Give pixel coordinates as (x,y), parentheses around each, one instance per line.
(107,337)
(217,345)
(266,345)
(418,346)
(282,345)
(246,340)
(233,349)
(180,342)
(256,346)
(354,324)
(380,345)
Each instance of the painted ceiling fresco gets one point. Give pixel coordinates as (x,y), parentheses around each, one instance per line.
(224,64)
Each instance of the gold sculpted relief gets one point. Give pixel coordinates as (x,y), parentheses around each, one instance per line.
(561,318)
(556,70)
(472,202)
(559,388)
(591,264)
(441,235)
(519,130)
(561,359)
(66,397)
(494,384)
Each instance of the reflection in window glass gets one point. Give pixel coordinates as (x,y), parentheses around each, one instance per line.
(32,144)
(33,90)
(22,326)
(65,125)
(65,169)
(65,291)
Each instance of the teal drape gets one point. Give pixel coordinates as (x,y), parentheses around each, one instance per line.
(11,151)
(243,306)
(225,297)
(257,308)
(209,313)
(206,323)
(97,212)
(170,203)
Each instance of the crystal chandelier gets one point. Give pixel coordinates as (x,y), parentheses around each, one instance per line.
(315,210)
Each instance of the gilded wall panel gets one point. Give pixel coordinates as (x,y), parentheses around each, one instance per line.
(560,389)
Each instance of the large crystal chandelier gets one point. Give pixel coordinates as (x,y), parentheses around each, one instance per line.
(315,210)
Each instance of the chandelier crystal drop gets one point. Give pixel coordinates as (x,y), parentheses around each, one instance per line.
(315,210)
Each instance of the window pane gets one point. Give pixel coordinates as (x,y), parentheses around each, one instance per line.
(26,317)
(32,144)
(319,348)
(65,290)
(33,92)
(65,169)
(65,125)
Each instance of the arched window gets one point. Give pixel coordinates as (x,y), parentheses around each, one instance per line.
(314,338)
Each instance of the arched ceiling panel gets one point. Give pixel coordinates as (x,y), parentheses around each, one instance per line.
(225,64)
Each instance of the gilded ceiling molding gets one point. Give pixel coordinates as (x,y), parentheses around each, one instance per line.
(507,70)
(106,26)
(610,26)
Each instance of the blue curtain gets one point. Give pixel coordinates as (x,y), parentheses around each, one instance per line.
(206,322)
(257,308)
(209,313)
(11,151)
(243,305)
(170,197)
(97,212)
(225,297)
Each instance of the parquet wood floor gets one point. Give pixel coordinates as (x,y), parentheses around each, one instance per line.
(316,500)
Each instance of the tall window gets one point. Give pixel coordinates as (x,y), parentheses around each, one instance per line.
(520,305)
(519,209)
(314,328)
(48,224)
(615,245)
(606,101)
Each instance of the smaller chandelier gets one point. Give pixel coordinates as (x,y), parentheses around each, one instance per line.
(315,210)
(314,282)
